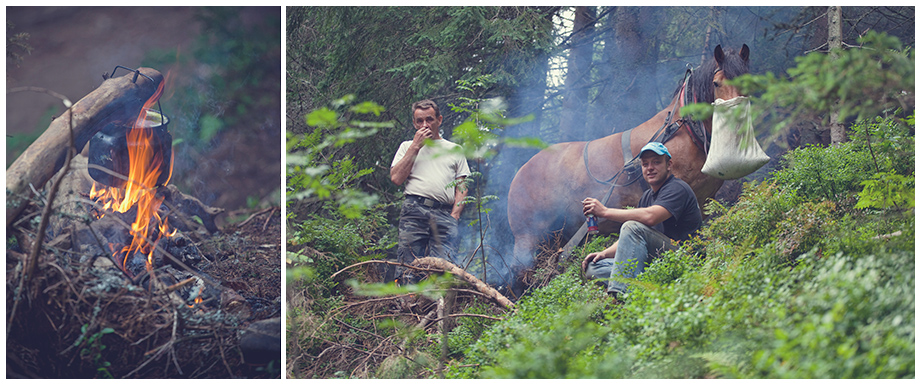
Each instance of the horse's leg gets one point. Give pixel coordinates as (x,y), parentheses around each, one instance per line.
(534,204)
(527,219)
(525,246)
(524,218)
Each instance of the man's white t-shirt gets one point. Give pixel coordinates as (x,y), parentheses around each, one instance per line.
(435,167)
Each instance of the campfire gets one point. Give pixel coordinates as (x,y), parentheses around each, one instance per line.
(113,246)
(142,152)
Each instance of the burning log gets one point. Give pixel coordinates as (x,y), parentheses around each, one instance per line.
(115,100)
(189,207)
(91,236)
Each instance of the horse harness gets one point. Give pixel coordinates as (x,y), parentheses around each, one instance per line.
(698,136)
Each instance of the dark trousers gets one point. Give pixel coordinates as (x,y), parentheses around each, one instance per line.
(426,232)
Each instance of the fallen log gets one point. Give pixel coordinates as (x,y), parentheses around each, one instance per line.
(189,206)
(117,99)
(462,274)
(433,264)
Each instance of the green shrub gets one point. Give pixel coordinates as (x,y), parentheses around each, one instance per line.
(887,190)
(670,266)
(825,173)
(880,146)
(805,226)
(337,242)
(656,320)
(851,317)
(754,217)
(892,142)
(558,352)
(536,317)
(468,329)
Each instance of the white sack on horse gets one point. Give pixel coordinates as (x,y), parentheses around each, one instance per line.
(734,151)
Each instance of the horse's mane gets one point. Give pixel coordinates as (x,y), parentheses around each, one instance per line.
(700,84)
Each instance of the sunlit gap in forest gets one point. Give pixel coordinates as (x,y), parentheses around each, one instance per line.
(558,63)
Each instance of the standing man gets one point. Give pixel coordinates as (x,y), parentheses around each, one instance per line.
(431,211)
(667,211)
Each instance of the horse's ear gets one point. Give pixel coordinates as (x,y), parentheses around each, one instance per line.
(745,52)
(719,55)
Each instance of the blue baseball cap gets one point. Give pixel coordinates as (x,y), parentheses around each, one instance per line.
(655,147)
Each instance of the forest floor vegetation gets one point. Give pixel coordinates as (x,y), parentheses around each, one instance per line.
(810,274)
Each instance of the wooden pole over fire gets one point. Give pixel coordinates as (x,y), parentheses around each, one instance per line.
(117,99)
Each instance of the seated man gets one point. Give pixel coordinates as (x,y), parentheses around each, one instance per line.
(667,211)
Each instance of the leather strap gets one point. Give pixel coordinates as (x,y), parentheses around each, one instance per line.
(669,130)
(624,144)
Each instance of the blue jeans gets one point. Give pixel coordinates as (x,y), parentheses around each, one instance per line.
(638,246)
(426,232)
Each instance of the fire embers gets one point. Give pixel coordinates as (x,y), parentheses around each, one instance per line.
(174,269)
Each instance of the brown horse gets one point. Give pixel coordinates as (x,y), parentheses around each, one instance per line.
(545,195)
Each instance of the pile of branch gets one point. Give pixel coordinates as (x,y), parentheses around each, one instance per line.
(346,342)
(80,317)
(78,321)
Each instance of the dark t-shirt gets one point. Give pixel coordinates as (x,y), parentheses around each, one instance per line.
(678,198)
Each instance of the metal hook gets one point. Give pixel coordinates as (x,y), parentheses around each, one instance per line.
(136,72)
(134,80)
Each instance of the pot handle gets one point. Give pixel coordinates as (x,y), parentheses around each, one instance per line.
(133,80)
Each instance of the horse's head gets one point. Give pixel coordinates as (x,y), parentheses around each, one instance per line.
(730,66)
(708,82)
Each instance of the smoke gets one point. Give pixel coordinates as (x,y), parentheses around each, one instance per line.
(630,90)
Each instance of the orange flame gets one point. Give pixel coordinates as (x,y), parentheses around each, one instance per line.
(140,189)
(198,299)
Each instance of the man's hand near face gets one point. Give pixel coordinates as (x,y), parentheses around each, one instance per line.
(418,141)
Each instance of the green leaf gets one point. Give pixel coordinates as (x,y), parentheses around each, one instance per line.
(697,110)
(527,142)
(322,117)
(367,108)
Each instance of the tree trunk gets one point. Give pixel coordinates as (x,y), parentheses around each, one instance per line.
(707,50)
(601,113)
(629,96)
(578,76)
(834,44)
